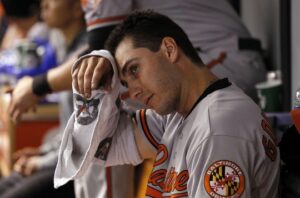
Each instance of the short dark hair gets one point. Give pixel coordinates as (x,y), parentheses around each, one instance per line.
(21,8)
(147,29)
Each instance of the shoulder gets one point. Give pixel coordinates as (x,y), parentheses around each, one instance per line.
(231,105)
(225,112)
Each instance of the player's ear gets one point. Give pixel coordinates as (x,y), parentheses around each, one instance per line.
(170,49)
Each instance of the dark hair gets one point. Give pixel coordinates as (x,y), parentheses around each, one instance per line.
(21,8)
(147,29)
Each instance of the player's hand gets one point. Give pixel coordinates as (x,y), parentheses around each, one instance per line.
(26,165)
(31,166)
(91,73)
(27,152)
(23,99)
(20,164)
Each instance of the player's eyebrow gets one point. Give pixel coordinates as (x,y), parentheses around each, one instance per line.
(124,69)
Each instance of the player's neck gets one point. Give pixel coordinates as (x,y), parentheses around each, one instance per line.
(195,83)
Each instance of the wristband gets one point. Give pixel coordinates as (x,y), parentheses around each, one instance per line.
(40,85)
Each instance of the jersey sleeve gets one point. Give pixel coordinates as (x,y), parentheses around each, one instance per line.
(222,166)
(122,148)
(105,12)
(151,125)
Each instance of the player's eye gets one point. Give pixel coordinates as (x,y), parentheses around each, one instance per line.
(133,70)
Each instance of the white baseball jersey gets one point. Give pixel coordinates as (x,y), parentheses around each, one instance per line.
(212,26)
(225,147)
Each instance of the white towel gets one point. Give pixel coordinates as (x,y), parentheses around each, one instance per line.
(91,125)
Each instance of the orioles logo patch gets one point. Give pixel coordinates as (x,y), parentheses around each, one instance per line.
(224,179)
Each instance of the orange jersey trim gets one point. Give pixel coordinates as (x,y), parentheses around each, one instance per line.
(178,195)
(214,62)
(153,192)
(105,20)
(146,128)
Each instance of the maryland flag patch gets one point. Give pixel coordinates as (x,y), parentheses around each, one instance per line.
(224,179)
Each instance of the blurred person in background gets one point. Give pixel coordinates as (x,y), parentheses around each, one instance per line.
(24,21)
(34,167)
(28,46)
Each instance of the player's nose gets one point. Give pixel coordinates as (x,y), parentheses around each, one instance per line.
(135,91)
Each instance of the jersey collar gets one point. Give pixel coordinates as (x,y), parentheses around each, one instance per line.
(219,84)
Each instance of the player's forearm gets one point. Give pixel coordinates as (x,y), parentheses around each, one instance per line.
(56,79)
(60,78)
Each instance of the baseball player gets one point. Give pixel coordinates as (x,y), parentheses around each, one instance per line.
(201,20)
(207,137)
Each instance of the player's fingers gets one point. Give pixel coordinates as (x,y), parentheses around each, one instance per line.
(81,75)
(27,151)
(17,168)
(101,74)
(16,155)
(98,74)
(74,78)
(92,63)
(16,109)
(29,169)
(81,66)
(20,165)
(16,116)
(12,105)
(11,108)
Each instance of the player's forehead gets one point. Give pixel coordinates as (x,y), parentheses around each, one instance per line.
(126,52)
